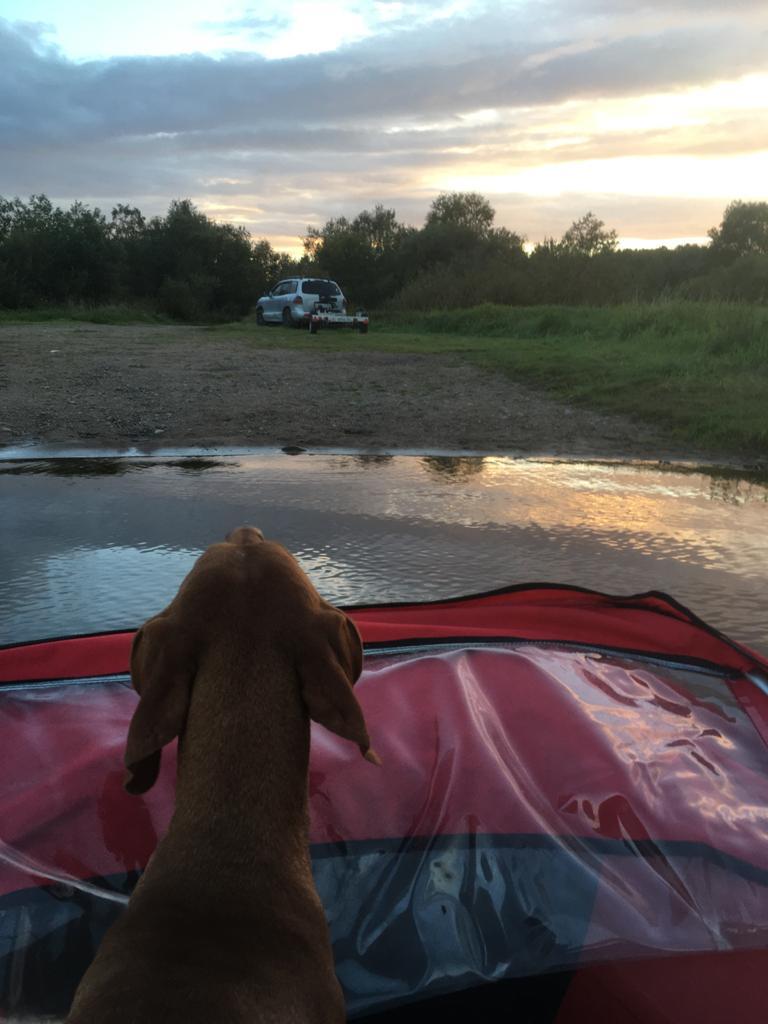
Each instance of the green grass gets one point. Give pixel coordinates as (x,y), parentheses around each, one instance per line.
(698,371)
(114,314)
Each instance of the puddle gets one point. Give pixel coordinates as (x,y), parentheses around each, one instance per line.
(92,544)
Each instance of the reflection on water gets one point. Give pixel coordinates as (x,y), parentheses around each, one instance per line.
(92,544)
(456,468)
(102,467)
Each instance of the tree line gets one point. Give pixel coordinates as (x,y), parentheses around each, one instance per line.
(187,266)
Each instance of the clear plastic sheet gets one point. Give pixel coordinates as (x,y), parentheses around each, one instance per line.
(538,809)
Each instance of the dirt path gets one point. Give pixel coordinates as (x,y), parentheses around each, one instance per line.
(159,386)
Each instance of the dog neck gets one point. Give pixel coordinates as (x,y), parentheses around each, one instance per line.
(243,763)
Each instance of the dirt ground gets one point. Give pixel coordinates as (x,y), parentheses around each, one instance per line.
(157,386)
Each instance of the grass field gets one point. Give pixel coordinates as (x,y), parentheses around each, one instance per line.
(83,314)
(697,370)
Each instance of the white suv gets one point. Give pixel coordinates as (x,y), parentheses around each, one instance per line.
(294,300)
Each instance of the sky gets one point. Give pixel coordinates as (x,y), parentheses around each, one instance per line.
(285,113)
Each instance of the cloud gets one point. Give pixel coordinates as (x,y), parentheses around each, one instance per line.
(315,135)
(251,24)
(378,81)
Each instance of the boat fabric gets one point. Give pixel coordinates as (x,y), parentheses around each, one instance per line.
(573,796)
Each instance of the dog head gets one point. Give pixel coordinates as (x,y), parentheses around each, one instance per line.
(258,581)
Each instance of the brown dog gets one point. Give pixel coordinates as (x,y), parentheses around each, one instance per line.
(226,924)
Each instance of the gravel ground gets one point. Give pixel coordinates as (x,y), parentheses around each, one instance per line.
(167,386)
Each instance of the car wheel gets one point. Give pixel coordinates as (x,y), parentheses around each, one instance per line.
(362,328)
(287,318)
(260,317)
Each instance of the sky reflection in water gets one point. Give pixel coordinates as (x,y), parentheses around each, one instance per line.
(103,543)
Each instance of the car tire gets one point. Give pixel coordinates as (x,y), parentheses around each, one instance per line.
(287,318)
(260,317)
(362,328)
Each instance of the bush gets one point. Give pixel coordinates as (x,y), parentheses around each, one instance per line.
(185,299)
(744,280)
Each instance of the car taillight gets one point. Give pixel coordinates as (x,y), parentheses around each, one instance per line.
(298,300)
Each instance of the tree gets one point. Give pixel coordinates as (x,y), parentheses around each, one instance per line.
(315,240)
(268,266)
(362,254)
(376,231)
(743,229)
(127,222)
(467,210)
(506,244)
(51,255)
(588,237)
(196,267)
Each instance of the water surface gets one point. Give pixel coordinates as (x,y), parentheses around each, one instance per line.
(95,544)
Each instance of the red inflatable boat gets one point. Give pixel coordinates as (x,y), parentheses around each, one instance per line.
(570,823)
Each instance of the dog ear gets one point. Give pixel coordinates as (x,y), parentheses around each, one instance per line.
(330,665)
(162,672)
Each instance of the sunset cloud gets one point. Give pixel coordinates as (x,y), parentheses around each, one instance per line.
(653,115)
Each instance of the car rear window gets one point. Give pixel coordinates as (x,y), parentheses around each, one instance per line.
(321,288)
